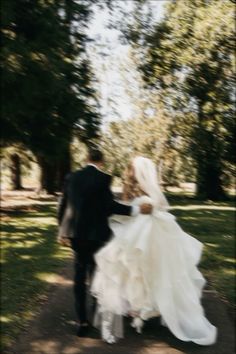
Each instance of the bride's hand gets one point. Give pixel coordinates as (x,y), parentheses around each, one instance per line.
(146,208)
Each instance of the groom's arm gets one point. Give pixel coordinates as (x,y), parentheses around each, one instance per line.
(112,206)
(122,209)
(118,208)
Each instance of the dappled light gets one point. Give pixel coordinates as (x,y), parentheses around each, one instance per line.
(25,256)
(211,245)
(207,208)
(214,226)
(148,78)
(95,347)
(30,257)
(5,319)
(53,278)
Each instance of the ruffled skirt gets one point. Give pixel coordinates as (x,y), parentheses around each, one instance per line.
(150,267)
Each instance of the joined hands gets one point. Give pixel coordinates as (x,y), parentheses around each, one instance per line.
(146,208)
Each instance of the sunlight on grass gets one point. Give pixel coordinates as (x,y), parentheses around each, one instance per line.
(31,258)
(228,236)
(61,252)
(43,220)
(228,271)
(5,319)
(25,244)
(214,225)
(25,257)
(230,260)
(202,207)
(211,245)
(47,277)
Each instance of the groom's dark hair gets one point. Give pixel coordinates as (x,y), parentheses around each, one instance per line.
(95,155)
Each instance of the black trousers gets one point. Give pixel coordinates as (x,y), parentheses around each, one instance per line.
(84,268)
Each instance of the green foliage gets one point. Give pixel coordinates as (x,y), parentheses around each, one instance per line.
(151,137)
(188,59)
(78,153)
(46,82)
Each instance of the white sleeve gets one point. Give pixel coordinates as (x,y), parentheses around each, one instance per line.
(135,210)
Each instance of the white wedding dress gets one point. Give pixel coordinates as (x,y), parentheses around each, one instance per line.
(150,268)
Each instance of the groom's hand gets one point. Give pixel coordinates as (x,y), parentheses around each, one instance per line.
(145,208)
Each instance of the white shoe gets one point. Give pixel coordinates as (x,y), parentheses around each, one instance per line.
(137,323)
(146,314)
(107,336)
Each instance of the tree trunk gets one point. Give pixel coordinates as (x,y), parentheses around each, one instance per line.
(209,181)
(48,175)
(64,168)
(209,168)
(16,172)
(53,173)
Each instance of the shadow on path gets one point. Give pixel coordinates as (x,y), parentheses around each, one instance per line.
(53,331)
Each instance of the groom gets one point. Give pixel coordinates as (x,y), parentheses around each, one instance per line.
(83,213)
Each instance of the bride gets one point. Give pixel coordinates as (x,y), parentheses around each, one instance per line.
(149,268)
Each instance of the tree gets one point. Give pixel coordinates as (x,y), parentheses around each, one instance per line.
(189,60)
(46,85)
(16,161)
(150,137)
(16,172)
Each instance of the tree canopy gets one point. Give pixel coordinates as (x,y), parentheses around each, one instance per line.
(188,60)
(47,80)
(183,66)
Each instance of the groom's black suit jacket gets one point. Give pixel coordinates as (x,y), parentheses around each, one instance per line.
(86,204)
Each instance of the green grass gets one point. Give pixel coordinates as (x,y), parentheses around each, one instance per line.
(31,257)
(30,260)
(214,225)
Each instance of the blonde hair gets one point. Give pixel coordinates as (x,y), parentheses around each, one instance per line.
(131,188)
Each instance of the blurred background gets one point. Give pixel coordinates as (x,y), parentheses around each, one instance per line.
(149,77)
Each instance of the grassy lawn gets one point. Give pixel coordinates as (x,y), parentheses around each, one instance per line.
(214,225)
(30,259)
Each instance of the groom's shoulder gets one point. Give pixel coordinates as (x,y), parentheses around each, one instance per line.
(86,171)
(106,176)
(75,174)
